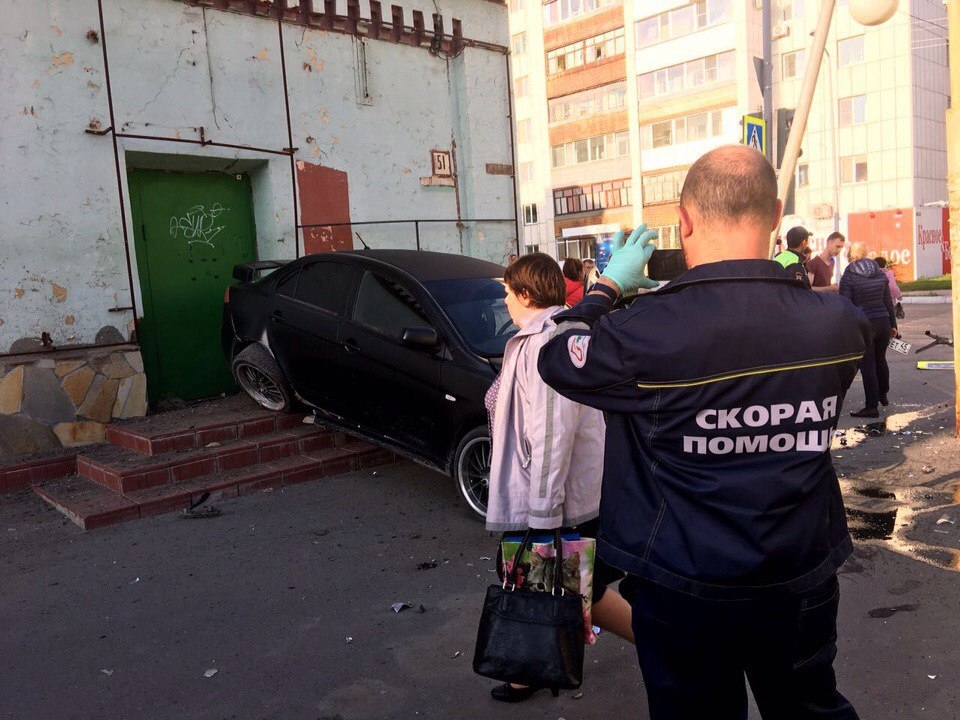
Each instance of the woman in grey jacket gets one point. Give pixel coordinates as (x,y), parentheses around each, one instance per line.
(547,459)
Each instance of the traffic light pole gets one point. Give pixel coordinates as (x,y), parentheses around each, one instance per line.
(788,165)
(953,188)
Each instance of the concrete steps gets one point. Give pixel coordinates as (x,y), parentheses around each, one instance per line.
(156,467)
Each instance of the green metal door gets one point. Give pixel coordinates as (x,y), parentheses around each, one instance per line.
(190,229)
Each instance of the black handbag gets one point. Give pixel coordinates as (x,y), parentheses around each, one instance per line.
(531,638)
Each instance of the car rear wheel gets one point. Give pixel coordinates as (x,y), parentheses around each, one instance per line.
(262,379)
(471,470)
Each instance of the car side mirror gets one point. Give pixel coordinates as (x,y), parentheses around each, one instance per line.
(421,338)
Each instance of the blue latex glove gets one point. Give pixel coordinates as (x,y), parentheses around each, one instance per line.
(629,261)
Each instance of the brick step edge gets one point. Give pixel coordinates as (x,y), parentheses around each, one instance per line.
(205,461)
(193,438)
(31,472)
(99,507)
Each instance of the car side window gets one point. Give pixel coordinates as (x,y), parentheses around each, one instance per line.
(288,285)
(325,285)
(387,306)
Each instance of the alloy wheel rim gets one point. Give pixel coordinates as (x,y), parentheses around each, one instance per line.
(473,474)
(260,387)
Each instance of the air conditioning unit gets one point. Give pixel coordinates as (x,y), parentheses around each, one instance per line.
(781,30)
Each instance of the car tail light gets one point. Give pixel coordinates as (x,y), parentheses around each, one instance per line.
(226,296)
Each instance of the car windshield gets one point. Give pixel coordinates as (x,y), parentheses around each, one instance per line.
(477,308)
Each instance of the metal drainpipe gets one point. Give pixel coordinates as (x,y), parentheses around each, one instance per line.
(279,5)
(116,163)
(513,150)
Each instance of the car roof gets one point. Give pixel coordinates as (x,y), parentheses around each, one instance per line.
(427,266)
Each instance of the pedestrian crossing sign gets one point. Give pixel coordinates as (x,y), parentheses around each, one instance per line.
(755,133)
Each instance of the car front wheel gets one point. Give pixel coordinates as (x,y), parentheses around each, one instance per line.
(471,470)
(262,379)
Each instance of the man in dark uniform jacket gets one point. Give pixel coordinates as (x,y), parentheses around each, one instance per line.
(720,498)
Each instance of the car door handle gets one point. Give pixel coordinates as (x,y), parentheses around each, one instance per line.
(277,316)
(350,345)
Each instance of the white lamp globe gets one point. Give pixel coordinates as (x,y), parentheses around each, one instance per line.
(872,12)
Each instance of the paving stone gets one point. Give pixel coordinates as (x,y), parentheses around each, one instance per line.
(79,433)
(135,359)
(25,345)
(112,366)
(135,402)
(107,335)
(66,367)
(43,398)
(20,435)
(77,383)
(98,405)
(11,391)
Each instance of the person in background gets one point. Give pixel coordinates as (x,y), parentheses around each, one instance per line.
(573,279)
(792,258)
(820,268)
(547,451)
(590,274)
(865,285)
(895,292)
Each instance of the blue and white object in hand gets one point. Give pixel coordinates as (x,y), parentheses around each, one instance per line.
(628,262)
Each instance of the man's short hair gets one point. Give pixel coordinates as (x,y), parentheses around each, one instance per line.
(796,236)
(731,183)
(539,276)
(836,235)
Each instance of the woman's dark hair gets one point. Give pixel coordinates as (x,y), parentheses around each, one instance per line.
(881,261)
(537,275)
(572,269)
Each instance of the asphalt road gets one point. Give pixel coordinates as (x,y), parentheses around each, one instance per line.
(288,595)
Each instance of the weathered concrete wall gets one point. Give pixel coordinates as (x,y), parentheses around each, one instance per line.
(176,68)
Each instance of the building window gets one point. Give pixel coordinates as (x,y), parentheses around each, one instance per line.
(560,11)
(663,186)
(522,86)
(794,63)
(530,214)
(526,172)
(525,131)
(600,147)
(604,99)
(853,169)
(803,176)
(850,51)
(853,110)
(687,76)
(589,198)
(586,51)
(682,21)
(668,236)
(519,44)
(683,129)
(791,9)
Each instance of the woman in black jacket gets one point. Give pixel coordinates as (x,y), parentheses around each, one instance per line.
(866,286)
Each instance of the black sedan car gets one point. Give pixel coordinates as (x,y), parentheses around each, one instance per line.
(396,346)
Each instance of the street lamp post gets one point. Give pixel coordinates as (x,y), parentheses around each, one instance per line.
(953,187)
(833,141)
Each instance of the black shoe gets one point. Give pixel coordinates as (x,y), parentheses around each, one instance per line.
(884,401)
(867,412)
(508,693)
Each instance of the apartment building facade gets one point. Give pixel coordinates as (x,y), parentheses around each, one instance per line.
(615,99)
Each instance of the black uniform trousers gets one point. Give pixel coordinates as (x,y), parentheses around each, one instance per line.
(873,367)
(695,651)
